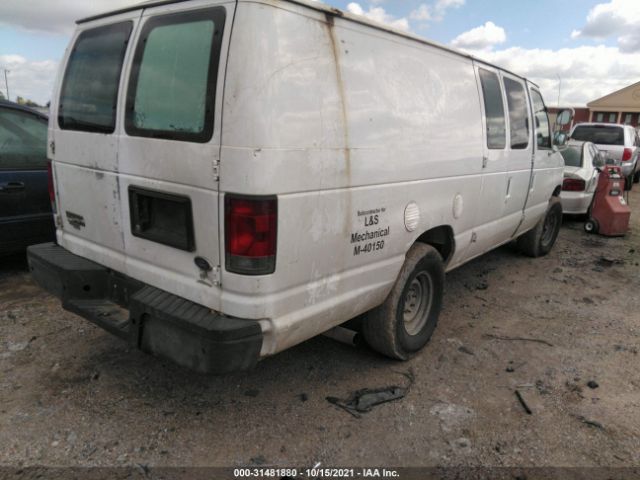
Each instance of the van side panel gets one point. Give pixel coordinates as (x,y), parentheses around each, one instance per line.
(316,112)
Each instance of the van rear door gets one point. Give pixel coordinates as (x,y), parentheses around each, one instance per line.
(83,141)
(158,189)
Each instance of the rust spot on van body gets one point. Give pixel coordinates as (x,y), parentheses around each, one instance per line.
(346,227)
(341,91)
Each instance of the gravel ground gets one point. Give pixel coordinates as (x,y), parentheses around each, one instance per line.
(73,395)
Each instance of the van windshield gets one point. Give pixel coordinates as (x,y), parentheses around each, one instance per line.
(599,134)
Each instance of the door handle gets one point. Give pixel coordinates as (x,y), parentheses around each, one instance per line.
(11,187)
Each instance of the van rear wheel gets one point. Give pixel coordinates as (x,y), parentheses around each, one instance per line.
(404,323)
(540,240)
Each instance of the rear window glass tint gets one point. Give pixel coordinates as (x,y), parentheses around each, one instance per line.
(572,156)
(175,71)
(90,88)
(23,140)
(494,110)
(518,114)
(598,134)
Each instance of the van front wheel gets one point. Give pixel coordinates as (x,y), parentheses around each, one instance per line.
(540,240)
(404,323)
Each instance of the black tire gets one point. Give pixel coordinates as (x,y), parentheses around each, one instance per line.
(628,183)
(591,226)
(391,328)
(539,241)
(636,177)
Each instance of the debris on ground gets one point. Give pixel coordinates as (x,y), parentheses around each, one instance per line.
(464,349)
(523,403)
(590,423)
(592,384)
(608,262)
(363,401)
(520,339)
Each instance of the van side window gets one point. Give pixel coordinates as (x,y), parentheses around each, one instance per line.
(494,109)
(542,126)
(89,95)
(518,114)
(173,81)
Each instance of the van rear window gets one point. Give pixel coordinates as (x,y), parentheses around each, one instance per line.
(173,81)
(599,134)
(90,87)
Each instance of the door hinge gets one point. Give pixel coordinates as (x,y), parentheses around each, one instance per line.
(217,277)
(485,161)
(216,171)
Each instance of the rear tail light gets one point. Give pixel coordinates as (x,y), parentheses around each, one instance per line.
(251,233)
(52,191)
(573,185)
(626,155)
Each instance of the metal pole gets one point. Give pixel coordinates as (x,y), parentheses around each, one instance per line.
(559,87)
(6,83)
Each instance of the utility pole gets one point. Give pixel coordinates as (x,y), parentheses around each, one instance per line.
(6,83)
(559,87)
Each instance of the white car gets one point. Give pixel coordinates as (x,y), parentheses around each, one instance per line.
(618,142)
(582,160)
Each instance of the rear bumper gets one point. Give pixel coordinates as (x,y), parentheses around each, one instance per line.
(575,203)
(150,319)
(627,168)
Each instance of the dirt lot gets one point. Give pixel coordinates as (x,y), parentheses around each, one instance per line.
(71,394)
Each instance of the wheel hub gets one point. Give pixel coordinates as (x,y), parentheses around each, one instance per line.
(417,303)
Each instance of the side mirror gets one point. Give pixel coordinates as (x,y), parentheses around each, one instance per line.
(599,161)
(564,117)
(560,138)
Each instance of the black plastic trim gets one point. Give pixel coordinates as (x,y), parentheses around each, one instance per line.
(188,243)
(150,319)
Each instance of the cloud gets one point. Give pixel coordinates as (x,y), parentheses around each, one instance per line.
(378,14)
(434,12)
(422,13)
(57,17)
(483,37)
(619,18)
(587,72)
(27,79)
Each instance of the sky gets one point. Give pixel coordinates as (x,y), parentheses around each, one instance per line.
(576,50)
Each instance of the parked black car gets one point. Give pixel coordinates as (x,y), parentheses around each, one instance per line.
(25,206)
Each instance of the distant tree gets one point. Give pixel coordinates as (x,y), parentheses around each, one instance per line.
(1,96)
(26,102)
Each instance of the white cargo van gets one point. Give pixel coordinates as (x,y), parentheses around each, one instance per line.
(232,178)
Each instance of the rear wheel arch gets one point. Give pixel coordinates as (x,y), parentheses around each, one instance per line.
(557,191)
(441,238)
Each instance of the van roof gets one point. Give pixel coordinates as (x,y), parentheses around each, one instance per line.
(319,6)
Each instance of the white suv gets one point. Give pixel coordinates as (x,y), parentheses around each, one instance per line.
(619,142)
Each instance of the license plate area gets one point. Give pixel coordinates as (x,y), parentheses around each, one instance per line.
(162,217)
